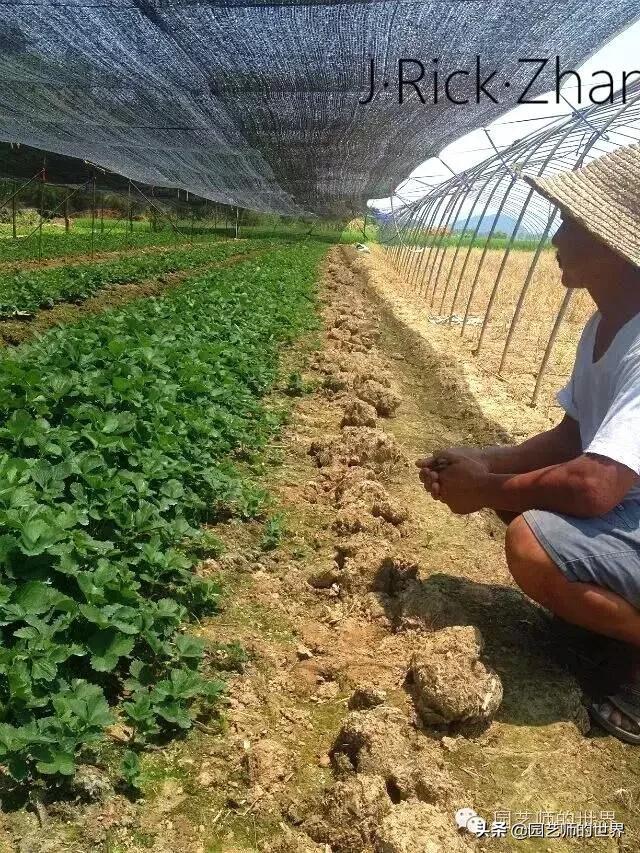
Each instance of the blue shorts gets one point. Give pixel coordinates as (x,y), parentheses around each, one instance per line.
(604,550)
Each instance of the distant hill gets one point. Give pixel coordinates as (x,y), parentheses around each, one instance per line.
(504,225)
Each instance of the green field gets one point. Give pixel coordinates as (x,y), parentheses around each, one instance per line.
(26,291)
(479,242)
(121,435)
(119,235)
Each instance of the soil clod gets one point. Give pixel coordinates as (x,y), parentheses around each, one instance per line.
(450,682)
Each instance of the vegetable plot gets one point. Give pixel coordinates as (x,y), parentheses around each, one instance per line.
(24,292)
(79,243)
(117,440)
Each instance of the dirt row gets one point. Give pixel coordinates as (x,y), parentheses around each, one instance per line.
(403,677)
(391,790)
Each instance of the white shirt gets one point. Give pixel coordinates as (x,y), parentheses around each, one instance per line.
(605,397)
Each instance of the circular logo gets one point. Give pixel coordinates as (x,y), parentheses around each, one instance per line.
(463,816)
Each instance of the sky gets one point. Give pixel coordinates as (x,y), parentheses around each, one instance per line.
(620,54)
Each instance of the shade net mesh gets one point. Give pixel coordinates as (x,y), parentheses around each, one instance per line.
(256,104)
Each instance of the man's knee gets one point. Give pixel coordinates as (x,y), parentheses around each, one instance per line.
(528,563)
(517,541)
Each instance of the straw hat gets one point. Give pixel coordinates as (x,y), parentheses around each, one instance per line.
(604,197)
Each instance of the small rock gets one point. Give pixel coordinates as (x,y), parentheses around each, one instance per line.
(366,697)
(91,784)
(324,579)
(303,652)
(234,560)
(119,732)
(206,779)
(342,764)
(351,813)
(372,740)
(328,690)
(449,743)
(170,796)
(293,841)
(359,413)
(268,763)
(383,399)
(294,813)
(415,827)
(363,446)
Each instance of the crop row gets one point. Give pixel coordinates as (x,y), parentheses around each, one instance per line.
(118,440)
(81,242)
(25,291)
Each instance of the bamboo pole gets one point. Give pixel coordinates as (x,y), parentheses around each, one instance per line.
(93,216)
(13,212)
(42,186)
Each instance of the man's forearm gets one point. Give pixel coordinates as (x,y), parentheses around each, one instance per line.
(542,451)
(553,488)
(587,485)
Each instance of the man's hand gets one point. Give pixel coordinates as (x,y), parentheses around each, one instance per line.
(469,452)
(456,479)
(430,466)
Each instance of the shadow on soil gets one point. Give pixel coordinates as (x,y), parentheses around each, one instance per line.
(534,653)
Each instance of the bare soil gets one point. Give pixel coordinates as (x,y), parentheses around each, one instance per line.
(395,673)
(419,273)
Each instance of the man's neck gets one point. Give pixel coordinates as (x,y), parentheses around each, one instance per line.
(617,301)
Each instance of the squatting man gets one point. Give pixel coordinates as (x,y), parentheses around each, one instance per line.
(571,496)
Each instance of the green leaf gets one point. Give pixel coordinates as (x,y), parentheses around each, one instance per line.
(118,436)
(116,347)
(44,670)
(94,614)
(172,489)
(37,536)
(174,712)
(131,770)
(56,762)
(35,597)
(8,547)
(213,689)
(18,767)
(189,648)
(107,647)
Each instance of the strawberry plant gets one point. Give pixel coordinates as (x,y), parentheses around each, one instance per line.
(131,771)
(274,530)
(23,292)
(79,242)
(118,438)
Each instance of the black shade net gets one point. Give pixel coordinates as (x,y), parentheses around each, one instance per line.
(256,104)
